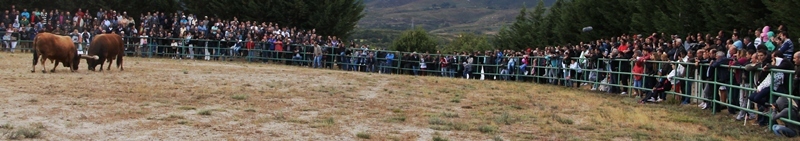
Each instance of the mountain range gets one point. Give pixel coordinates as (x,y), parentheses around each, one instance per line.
(443,17)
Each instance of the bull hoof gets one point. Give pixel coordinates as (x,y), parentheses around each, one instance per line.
(33,71)
(52,71)
(44,71)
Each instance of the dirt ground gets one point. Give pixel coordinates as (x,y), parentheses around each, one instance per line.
(165,99)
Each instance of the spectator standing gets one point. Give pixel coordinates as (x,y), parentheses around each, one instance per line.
(317,56)
(423,64)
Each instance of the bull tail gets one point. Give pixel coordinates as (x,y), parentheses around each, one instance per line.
(35,54)
(119,62)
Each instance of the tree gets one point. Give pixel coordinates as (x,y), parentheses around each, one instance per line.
(559,24)
(415,40)
(785,12)
(468,42)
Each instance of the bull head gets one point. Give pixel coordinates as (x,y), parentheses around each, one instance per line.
(93,57)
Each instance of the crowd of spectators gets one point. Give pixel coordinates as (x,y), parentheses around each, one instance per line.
(653,65)
(155,32)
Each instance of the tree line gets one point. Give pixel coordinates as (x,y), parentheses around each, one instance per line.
(562,22)
(328,17)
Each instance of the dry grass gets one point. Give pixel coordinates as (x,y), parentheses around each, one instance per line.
(162,99)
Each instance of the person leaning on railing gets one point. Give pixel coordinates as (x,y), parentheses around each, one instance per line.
(774,80)
(740,76)
(721,76)
(783,110)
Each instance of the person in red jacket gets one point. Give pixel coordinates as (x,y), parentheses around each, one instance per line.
(250,45)
(639,59)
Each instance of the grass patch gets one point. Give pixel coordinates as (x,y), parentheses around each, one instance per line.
(439,138)
(505,118)
(204,112)
(183,122)
(6,126)
(456,99)
(684,118)
(172,117)
(239,96)
(440,124)
(24,133)
(250,110)
(450,115)
(586,128)
(497,138)
(187,108)
(324,122)
(437,121)
(487,128)
(398,118)
(296,120)
(648,127)
(562,120)
(363,135)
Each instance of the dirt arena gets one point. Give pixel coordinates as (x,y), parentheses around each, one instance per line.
(165,99)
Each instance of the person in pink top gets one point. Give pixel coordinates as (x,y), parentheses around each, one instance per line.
(524,64)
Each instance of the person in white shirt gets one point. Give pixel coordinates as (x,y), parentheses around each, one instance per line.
(174,44)
(575,68)
(142,44)
(189,43)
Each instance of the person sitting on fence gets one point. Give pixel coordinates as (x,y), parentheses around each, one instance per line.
(660,88)
(235,48)
(468,66)
(297,57)
(524,65)
(7,39)
(504,71)
(783,110)
(510,64)
(771,81)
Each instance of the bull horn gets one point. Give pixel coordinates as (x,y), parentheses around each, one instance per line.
(94,57)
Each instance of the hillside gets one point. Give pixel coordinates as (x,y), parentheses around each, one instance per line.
(443,17)
(386,19)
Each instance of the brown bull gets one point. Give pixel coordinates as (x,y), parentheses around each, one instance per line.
(59,49)
(106,47)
